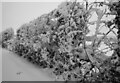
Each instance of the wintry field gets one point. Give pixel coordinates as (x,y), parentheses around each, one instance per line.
(16,69)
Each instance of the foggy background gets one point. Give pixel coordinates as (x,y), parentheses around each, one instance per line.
(17,13)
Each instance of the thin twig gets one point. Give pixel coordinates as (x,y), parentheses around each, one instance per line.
(93,62)
(104,36)
(97,30)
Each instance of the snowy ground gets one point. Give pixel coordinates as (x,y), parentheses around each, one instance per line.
(16,69)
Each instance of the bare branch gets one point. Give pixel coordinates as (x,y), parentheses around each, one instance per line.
(105,35)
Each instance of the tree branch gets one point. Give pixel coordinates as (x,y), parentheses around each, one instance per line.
(105,35)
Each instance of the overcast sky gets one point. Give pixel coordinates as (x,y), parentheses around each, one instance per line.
(14,14)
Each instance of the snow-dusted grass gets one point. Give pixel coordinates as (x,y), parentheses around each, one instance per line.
(15,68)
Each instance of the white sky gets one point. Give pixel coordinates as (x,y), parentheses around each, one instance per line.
(15,14)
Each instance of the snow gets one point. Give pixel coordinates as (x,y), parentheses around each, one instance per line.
(15,68)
